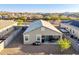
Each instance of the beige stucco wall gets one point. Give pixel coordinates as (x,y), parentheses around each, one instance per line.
(75,29)
(32,34)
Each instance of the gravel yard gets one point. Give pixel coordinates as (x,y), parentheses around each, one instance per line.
(16,47)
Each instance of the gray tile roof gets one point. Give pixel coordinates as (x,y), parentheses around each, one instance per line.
(39,23)
(75,23)
(72,22)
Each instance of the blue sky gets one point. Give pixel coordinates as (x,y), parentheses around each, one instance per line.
(45,8)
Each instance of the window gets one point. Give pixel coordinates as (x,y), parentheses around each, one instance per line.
(26,37)
(38,38)
(49,38)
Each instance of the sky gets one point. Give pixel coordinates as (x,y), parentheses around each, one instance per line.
(44,8)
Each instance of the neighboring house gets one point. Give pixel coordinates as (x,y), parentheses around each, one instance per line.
(6,32)
(55,22)
(72,26)
(41,31)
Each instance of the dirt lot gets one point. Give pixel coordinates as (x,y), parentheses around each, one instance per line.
(16,47)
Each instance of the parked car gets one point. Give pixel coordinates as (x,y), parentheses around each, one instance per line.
(37,43)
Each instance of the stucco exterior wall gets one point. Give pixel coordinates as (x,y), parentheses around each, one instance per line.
(72,29)
(39,31)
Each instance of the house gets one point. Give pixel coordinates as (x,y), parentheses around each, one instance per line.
(55,22)
(41,31)
(72,26)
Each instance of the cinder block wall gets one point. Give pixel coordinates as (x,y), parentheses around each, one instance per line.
(11,37)
(6,31)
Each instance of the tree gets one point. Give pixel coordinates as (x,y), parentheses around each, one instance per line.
(65,18)
(77,18)
(20,22)
(47,18)
(55,18)
(64,44)
(23,18)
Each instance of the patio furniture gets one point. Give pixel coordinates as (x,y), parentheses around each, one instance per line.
(37,43)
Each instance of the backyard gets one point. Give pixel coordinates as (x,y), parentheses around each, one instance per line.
(16,47)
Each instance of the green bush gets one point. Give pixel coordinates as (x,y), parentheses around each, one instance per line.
(20,22)
(64,43)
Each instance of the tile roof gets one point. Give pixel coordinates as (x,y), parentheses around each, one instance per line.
(75,23)
(39,23)
(72,22)
(66,21)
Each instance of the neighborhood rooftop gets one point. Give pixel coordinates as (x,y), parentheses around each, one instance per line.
(75,23)
(72,22)
(66,21)
(39,23)
(5,23)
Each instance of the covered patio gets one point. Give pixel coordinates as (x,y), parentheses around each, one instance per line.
(49,38)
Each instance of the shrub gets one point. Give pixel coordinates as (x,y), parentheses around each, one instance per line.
(64,43)
(20,22)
